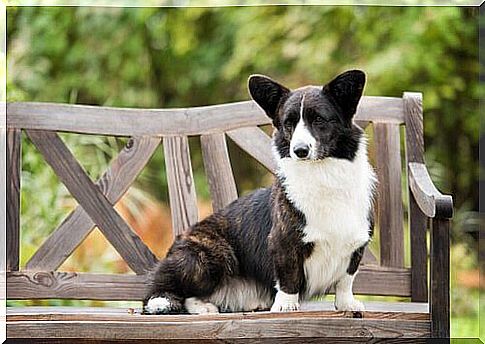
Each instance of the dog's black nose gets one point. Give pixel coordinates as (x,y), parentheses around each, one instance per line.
(302,151)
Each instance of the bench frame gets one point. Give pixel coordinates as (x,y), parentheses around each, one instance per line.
(238,121)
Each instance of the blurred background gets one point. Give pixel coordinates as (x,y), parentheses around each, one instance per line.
(180,57)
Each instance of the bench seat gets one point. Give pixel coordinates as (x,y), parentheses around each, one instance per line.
(315,320)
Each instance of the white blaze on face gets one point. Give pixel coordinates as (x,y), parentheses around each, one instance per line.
(302,136)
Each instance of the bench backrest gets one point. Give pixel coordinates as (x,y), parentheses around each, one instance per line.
(239,122)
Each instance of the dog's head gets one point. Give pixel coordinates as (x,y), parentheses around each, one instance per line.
(312,123)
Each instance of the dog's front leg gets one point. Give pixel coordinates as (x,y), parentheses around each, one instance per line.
(289,274)
(344,298)
(285,302)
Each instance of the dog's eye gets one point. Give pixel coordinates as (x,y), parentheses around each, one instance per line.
(288,124)
(319,120)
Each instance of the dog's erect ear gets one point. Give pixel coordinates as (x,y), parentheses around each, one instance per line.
(346,89)
(267,93)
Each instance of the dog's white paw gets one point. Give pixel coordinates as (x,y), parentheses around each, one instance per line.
(285,307)
(197,306)
(349,304)
(157,305)
(285,302)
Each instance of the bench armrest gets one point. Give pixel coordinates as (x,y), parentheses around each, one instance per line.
(431,202)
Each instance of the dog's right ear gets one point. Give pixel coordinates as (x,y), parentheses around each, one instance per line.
(267,94)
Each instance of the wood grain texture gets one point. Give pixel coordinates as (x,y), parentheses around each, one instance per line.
(128,244)
(169,122)
(431,202)
(413,113)
(390,212)
(419,252)
(181,187)
(368,257)
(113,184)
(371,280)
(218,170)
(256,143)
(440,278)
(392,310)
(14,152)
(374,310)
(137,317)
(73,285)
(282,327)
(272,340)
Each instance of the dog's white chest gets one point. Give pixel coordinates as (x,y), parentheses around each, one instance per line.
(335,195)
(336,231)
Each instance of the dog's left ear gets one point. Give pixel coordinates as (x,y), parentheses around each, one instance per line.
(346,89)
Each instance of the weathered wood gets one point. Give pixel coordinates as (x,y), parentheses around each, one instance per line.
(368,257)
(287,325)
(77,225)
(390,212)
(371,280)
(169,122)
(440,278)
(362,124)
(218,170)
(73,285)
(128,244)
(419,252)
(431,202)
(14,152)
(272,340)
(391,310)
(413,110)
(256,143)
(374,310)
(181,187)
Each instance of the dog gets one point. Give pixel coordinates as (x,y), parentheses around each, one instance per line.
(281,245)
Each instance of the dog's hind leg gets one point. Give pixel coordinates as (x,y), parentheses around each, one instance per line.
(194,267)
(194,305)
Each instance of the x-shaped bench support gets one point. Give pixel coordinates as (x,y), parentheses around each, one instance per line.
(95,203)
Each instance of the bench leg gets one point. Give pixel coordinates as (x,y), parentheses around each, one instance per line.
(440,278)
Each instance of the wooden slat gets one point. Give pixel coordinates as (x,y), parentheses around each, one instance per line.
(376,280)
(128,244)
(77,314)
(440,278)
(218,170)
(371,280)
(256,143)
(289,325)
(169,122)
(73,285)
(181,188)
(14,150)
(77,226)
(362,124)
(368,257)
(390,212)
(374,310)
(280,340)
(413,109)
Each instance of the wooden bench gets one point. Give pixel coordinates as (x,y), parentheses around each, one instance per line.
(426,314)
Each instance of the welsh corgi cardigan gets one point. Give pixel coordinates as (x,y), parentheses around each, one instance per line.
(306,233)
